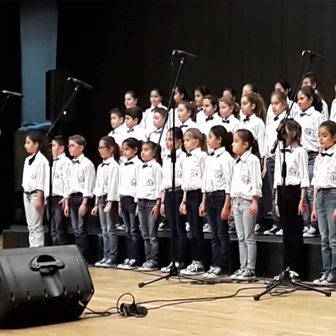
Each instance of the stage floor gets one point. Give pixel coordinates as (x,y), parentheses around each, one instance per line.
(300,313)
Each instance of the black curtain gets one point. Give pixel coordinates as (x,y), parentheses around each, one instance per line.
(10,120)
(117,46)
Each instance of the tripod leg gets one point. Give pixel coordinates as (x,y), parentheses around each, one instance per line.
(299,284)
(258,296)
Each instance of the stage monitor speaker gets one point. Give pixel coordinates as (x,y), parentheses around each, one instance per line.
(43,285)
(58,90)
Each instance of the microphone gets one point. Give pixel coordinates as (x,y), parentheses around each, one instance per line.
(183,53)
(132,309)
(11,93)
(80,83)
(312,54)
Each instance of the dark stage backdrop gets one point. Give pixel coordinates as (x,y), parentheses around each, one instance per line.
(116,46)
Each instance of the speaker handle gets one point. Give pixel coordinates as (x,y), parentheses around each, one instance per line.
(45,261)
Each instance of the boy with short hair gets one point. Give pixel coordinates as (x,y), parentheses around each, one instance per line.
(119,128)
(133,117)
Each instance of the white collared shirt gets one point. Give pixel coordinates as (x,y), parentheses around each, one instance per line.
(271,133)
(60,176)
(119,134)
(193,169)
(297,167)
(231,124)
(324,175)
(218,171)
(82,177)
(128,178)
(173,113)
(257,128)
(310,121)
(214,120)
(200,118)
(246,179)
(34,175)
(147,122)
(155,136)
(333,111)
(136,132)
(107,181)
(293,113)
(149,181)
(167,168)
(188,124)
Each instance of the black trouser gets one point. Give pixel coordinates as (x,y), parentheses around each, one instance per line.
(292,223)
(59,223)
(177,225)
(79,224)
(193,201)
(220,238)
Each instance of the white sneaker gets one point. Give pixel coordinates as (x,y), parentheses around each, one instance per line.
(121,266)
(207,274)
(188,267)
(167,268)
(312,232)
(206,228)
(236,274)
(279,233)
(213,273)
(321,280)
(247,275)
(196,269)
(132,264)
(99,263)
(187,225)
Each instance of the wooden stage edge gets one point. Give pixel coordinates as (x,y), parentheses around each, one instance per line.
(299,313)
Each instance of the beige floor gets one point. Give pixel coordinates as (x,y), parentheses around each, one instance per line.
(300,313)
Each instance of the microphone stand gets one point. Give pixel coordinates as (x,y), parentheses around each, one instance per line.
(51,159)
(284,278)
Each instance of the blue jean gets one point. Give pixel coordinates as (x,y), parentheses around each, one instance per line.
(132,230)
(193,201)
(107,224)
(310,190)
(270,174)
(325,206)
(220,239)
(79,224)
(245,224)
(148,229)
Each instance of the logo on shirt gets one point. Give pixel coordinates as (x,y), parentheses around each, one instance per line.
(194,173)
(245,179)
(293,172)
(309,132)
(218,174)
(150,183)
(178,174)
(57,176)
(33,176)
(133,183)
(106,180)
(81,177)
(332,177)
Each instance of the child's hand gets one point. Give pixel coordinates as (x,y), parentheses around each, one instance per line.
(94,211)
(201,210)
(39,205)
(225,214)
(162,210)
(66,210)
(183,210)
(313,216)
(82,210)
(108,207)
(334,216)
(136,211)
(63,201)
(119,210)
(155,212)
(254,209)
(303,208)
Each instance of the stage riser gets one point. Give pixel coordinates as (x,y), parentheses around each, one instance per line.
(269,254)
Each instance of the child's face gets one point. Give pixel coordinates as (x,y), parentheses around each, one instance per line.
(130,101)
(147,153)
(155,98)
(183,113)
(130,122)
(75,150)
(277,105)
(178,97)
(304,102)
(246,90)
(227,94)
(116,121)
(246,107)
(214,142)
(158,120)
(56,149)
(169,141)
(104,151)
(208,109)
(225,110)
(190,142)
(198,98)
(238,146)
(308,82)
(326,139)
(30,146)
(128,152)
